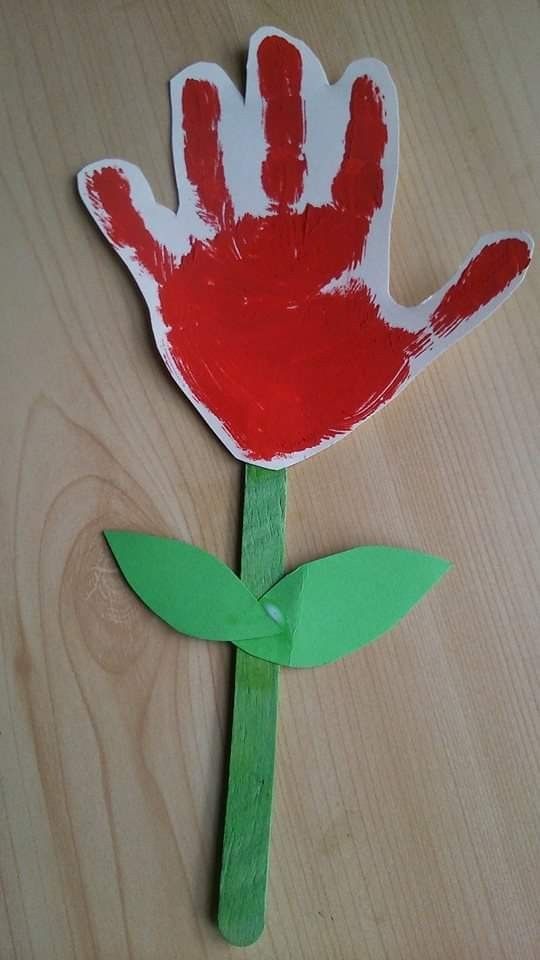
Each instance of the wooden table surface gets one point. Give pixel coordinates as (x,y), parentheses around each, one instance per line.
(407,801)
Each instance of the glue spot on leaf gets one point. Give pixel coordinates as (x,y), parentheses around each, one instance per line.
(275,613)
(335,605)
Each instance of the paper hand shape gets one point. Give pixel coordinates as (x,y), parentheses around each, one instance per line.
(268,290)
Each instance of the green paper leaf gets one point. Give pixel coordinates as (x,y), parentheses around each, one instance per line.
(332,606)
(190,589)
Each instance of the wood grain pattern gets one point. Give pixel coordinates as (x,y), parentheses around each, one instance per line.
(407,813)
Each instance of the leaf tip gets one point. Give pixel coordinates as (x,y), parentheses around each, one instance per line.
(445,566)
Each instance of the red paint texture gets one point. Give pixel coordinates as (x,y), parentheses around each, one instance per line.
(280,80)
(280,363)
(483,278)
(365,141)
(203,155)
(110,193)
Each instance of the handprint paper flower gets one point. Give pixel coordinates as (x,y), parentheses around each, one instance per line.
(268,290)
(269,301)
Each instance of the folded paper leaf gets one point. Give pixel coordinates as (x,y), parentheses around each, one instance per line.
(314,615)
(190,589)
(330,607)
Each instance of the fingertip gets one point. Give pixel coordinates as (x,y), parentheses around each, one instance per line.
(275,49)
(517,246)
(97,180)
(527,246)
(517,249)
(103,185)
(496,267)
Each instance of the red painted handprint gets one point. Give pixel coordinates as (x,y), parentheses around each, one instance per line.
(268,291)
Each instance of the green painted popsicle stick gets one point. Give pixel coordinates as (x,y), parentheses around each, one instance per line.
(244,868)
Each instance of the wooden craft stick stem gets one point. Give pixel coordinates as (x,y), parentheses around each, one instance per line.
(244,869)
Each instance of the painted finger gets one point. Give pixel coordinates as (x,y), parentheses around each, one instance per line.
(119,199)
(365,180)
(201,113)
(352,154)
(207,131)
(279,64)
(495,268)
